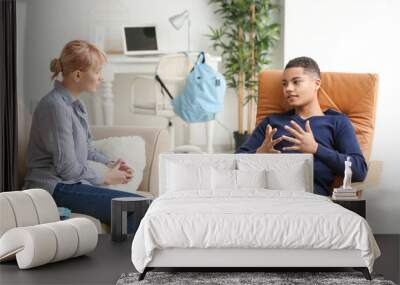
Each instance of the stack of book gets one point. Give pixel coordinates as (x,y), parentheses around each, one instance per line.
(345,194)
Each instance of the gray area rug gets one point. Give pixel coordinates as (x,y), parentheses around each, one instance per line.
(229,278)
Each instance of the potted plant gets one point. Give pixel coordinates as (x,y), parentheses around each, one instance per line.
(245,39)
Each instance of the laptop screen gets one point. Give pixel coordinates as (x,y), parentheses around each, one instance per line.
(140,39)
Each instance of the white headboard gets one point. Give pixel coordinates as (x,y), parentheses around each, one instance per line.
(285,169)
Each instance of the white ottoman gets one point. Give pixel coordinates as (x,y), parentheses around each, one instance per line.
(31,232)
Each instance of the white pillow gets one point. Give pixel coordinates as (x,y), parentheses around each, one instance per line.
(181,177)
(131,149)
(224,179)
(283,171)
(293,179)
(227,179)
(251,179)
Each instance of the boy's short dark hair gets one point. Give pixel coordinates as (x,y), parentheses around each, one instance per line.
(307,63)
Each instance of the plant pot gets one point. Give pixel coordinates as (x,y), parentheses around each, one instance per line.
(240,138)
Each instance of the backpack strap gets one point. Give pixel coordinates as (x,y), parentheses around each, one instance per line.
(158,79)
(201,58)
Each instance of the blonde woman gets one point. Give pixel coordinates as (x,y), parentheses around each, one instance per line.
(59,145)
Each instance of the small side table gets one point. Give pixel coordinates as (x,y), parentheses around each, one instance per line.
(357,206)
(120,207)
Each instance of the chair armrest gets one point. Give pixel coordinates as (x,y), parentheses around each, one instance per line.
(157,141)
(373,175)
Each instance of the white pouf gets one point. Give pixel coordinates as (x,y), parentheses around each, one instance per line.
(31,232)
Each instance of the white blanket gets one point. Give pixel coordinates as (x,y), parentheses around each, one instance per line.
(250,219)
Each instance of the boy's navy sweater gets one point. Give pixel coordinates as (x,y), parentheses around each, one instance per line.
(336,140)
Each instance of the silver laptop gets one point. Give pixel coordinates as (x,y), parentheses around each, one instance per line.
(140,40)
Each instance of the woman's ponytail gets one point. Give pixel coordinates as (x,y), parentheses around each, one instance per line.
(55,67)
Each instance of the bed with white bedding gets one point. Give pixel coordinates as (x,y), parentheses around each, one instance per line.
(238,211)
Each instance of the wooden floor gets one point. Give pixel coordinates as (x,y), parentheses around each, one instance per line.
(110,260)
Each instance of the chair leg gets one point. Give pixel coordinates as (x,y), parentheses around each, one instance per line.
(364,271)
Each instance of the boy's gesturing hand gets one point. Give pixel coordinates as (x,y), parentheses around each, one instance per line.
(269,143)
(303,140)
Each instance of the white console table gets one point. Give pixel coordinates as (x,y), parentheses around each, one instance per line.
(146,65)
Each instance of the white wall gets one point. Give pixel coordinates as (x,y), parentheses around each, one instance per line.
(358,36)
(52,23)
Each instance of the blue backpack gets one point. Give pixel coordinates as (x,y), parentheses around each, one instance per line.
(203,94)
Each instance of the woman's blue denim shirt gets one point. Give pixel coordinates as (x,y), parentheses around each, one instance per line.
(60,143)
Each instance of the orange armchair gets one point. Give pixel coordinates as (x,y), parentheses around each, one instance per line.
(354,94)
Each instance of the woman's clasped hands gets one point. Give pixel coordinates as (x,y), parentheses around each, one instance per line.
(119,173)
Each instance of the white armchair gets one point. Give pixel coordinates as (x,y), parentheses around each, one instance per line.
(31,231)
(157,141)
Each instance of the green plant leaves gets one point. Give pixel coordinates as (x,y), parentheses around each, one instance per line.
(244,40)
(237,53)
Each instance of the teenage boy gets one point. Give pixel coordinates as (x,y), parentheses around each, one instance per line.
(328,135)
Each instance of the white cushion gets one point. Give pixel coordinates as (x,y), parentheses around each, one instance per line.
(7,217)
(67,240)
(224,179)
(34,244)
(183,177)
(87,233)
(95,221)
(40,244)
(45,206)
(227,173)
(26,208)
(289,172)
(31,246)
(279,179)
(23,208)
(227,179)
(131,149)
(180,172)
(251,179)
